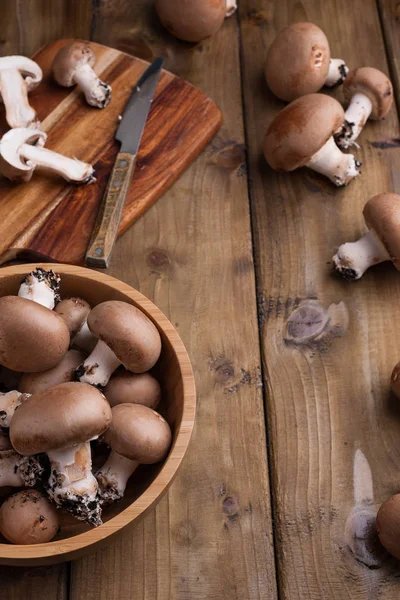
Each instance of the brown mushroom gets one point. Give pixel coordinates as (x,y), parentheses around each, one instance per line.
(388,525)
(18,76)
(192,21)
(299,62)
(126,336)
(27,517)
(302,136)
(41,286)
(32,337)
(137,435)
(379,244)
(19,471)
(34,383)
(73,64)
(75,312)
(125,387)
(369,95)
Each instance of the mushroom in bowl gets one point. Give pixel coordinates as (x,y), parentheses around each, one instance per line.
(125,387)
(75,312)
(27,517)
(18,76)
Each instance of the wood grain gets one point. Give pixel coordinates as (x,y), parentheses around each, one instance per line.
(390,18)
(191,253)
(328,398)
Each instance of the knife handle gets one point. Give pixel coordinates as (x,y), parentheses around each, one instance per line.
(108,219)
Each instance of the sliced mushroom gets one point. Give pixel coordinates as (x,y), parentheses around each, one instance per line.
(18,75)
(21,152)
(126,336)
(302,136)
(61,421)
(75,312)
(41,286)
(379,244)
(299,62)
(9,403)
(34,383)
(137,435)
(193,21)
(369,95)
(73,66)
(125,387)
(19,471)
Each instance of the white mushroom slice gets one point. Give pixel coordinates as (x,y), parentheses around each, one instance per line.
(9,403)
(18,75)
(42,287)
(18,471)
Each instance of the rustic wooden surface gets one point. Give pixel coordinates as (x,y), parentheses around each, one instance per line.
(327,402)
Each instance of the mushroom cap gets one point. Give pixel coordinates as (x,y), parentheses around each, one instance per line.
(300,130)
(32,337)
(68,59)
(375,85)
(297,61)
(131,335)
(191,21)
(12,165)
(74,311)
(382,215)
(26,66)
(34,383)
(138,388)
(138,433)
(388,525)
(28,518)
(60,417)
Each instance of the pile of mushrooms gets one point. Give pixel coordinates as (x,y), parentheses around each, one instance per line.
(84,376)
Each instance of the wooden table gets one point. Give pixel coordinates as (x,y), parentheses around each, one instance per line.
(229,253)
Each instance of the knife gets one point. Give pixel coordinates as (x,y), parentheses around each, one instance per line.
(129,133)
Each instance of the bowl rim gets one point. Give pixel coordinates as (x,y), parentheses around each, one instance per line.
(66,548)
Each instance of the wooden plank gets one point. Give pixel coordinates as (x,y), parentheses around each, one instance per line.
(191,254)
(36,583)
(327,399)
(390,18)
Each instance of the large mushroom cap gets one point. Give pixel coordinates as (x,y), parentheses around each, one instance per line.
(34,383)
(300,130)
(297,61)
(32,337)
(74,311)
(132,337)
(382,215)
(60,417)
(191,21)
(375,85)
(140,388)
(68,59)
(138,433)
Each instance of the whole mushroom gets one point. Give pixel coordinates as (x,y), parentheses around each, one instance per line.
(369,95)
(137,435)
(379,244)
(75,312)
(73,64)
(27,517)
(125,387)
(299,62)
(18,76)
(34,383)
(193,21)
(126,336)
(41,286)
(302,136)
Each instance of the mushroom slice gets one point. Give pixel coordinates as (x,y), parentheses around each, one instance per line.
(126,336)
(302,136)
(9,403)
(41,286)
(19,471)
(379,244)
(73,66)
(75,312)
(137,435)
(21,152)
(18,75)
(369,95)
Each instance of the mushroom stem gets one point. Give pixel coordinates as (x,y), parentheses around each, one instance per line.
(84,338)
(72,484)
(14,93)
(354,258)
(356,116)
(337,72)
(9,403)
(231,7)
(42,287)
(99,366)
(71,169)
(19,471)
(330,161)
(97,93)
(113,477)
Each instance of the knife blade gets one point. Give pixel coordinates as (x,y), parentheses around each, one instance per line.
(129,134)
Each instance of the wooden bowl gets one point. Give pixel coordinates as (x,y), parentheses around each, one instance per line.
(149,483)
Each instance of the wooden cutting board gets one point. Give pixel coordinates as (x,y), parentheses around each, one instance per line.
(52,219)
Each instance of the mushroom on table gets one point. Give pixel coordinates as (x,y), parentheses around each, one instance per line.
(18,76)
(125,387)
(193,21)
(75,312)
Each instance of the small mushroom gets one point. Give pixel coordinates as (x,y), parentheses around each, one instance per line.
(137,435)
(388,525)
(18,76)
(27,517)
(32,337)
(75,312)
(369,95)
(72,65)
(19,471)
(9,402)
(380,243)
(126,336)
(193,21)
(302,136)
(34,383)
(41,286)
(21,151)
(125,387)
(61,421)
(299,62)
